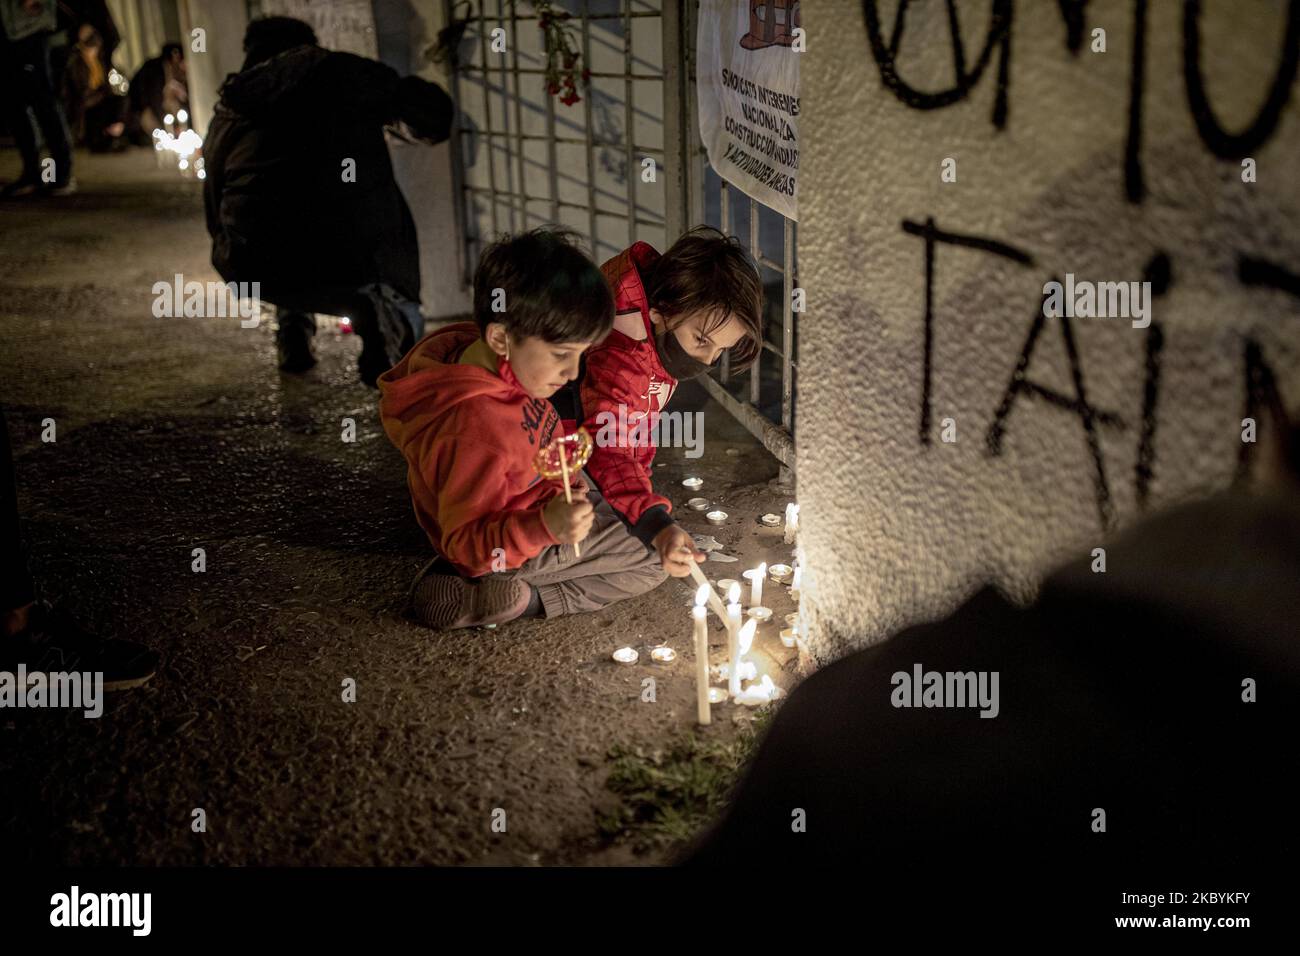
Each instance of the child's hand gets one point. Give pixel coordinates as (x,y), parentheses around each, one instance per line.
(677,550)
(570,523)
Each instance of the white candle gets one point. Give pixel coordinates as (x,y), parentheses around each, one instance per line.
(744,639)
(791,522)
(733,639)
(756,585)
(701,653)
(796,581)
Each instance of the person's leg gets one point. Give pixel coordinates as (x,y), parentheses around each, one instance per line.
(16,591)
(39,636)
(388,326)
(34,59)
(293,334)
(17,116)
(613,566)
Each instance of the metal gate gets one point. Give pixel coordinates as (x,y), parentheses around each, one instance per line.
(625,163)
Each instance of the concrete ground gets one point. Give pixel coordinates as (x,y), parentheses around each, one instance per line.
(178,433)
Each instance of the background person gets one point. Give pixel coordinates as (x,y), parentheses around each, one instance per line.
(300,193)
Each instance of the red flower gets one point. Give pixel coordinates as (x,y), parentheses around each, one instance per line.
(569,98)
(552,88)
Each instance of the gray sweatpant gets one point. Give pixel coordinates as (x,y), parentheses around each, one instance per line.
(613,565)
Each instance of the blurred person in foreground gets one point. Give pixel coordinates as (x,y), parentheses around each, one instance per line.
(1162,691)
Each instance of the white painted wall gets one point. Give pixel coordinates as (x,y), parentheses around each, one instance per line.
(896,532)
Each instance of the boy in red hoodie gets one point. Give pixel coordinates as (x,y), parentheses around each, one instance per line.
(468,409)
(675,315)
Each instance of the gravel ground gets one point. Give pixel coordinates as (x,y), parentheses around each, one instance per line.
(175,434)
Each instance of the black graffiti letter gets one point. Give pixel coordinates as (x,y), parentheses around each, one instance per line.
(1089,417)
(999,36)
(1228,145)
(931,234)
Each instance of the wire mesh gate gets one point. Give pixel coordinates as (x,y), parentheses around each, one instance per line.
(625,163)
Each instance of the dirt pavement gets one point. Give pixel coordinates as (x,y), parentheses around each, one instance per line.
(175,434)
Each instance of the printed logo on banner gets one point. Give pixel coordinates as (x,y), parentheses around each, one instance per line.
(749,96)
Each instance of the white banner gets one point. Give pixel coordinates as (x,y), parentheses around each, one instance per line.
(748,81)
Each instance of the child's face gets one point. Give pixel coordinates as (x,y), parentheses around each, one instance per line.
(542,367)
(697,335)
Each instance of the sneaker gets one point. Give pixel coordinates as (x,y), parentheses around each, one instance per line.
(66,188)
(448,601)
(54,642)
(293,348)
(20,188)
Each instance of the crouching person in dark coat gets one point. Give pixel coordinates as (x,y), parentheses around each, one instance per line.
(300,194)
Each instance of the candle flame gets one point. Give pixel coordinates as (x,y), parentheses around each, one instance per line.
(747,635)
(762,569)
(733,594)
(701,595)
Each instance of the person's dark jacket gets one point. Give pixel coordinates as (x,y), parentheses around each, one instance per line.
(1120,690)
(287,140)
(145,91)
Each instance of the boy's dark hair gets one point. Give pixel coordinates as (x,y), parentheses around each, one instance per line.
(552,290)
(271,36)
(707,271)
(171,49)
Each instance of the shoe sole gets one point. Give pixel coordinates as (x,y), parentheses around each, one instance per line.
(448,602)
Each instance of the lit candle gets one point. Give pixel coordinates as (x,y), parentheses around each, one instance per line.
(733,639)
(756,585)
(744,639)
(791,522)
(796,582)
(701,653)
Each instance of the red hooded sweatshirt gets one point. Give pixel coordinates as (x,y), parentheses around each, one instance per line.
(469,438)
(625,370)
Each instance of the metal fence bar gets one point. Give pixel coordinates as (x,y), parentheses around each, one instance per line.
(458,170)
(755,370)
(586,104)
(538,71)
(787,326)
(641,220)
(572,140)
(724,208)
(519,120)
(628,121)
(487,114)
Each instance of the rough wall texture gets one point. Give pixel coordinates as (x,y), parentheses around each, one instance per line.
(897,524)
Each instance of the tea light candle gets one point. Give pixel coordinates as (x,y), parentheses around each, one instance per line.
(695,484)
(701,654)
(697,504)
(626,655)
(726,584)
(663,655)
(787,636)
(733,638)
(759,615)
(717,517)
(780,573)
(771,520)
